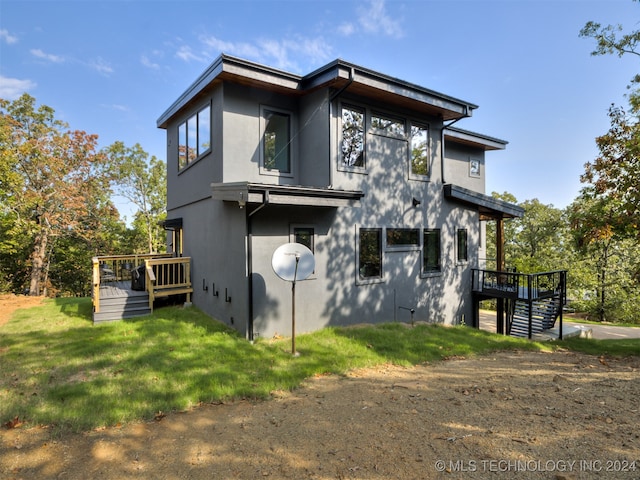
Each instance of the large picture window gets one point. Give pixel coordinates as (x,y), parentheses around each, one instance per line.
(353,137)
(431,251)
(370,253)
(276,141)
(194,137)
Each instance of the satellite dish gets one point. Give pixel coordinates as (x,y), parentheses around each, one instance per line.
(292,262)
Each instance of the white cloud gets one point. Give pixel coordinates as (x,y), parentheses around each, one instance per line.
(36,52)
(12,88)
(241,49)
(375,19)
(101,66)
(7,37)
(275,52)
(346,29)
(185,53)
(147,62)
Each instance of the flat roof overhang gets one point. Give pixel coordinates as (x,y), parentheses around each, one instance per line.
(292,195)
(489,208)
(336,75)
(477,140)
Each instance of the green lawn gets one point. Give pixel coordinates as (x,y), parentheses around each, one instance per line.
(57,368)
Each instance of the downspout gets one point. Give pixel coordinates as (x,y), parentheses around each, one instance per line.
(248,216)
(444,127)
(332,97)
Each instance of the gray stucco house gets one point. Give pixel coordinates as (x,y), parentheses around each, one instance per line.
(366,170)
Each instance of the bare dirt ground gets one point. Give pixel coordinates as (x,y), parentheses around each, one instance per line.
(9,303)
(519,415)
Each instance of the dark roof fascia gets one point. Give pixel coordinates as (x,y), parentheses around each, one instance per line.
(486,205)
(458,135)
(284,194)
(336,73)
(226,66)
(340,72)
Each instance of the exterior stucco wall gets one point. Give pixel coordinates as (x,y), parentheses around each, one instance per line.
(215,232)
(457,166)
(214,238)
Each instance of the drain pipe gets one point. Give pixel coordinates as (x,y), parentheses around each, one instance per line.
(444,127)
(249,215)
(332,97)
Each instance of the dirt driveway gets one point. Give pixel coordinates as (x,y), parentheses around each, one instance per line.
(509,415)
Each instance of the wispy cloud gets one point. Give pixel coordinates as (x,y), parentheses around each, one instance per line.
(116,106)
(49,57)
(147,62)
(7,37)
(101,66)
(277,52)
(12,88)
(372,18)
(185,53)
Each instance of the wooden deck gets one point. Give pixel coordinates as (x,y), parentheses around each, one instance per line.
(160,276)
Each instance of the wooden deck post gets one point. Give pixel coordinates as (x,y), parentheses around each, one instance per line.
(96,285)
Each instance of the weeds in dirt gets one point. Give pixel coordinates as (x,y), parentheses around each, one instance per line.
(60,369)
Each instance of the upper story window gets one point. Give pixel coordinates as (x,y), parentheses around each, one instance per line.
(194,137)
(353,137)
(419,151)
(276,141)
(385,125)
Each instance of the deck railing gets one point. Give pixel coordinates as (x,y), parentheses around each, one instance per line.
(163,274)
(525,286)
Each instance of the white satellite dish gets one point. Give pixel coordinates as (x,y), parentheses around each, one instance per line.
(293,261)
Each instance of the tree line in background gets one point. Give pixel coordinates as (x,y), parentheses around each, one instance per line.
(56,201)
(57,210)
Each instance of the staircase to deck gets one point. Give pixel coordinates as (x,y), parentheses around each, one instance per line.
(544,313)
(119,301)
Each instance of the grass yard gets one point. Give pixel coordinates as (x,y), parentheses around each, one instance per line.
(57,368)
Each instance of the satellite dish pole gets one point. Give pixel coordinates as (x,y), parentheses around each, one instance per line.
(292,262)
(293,307)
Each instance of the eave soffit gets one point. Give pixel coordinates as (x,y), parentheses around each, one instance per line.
(337,74)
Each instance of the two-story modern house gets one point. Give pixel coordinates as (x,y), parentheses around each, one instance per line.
(364,169)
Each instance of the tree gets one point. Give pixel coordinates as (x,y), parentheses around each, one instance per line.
(616,170)
(143,182)
(53,182)
(608,258)
(537,242)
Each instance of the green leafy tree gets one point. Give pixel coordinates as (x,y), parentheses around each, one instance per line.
(608,259)
(53,183)
(142,181)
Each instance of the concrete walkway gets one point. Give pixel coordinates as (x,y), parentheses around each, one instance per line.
(569,329)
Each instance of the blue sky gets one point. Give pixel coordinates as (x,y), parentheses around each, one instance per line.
(112,67)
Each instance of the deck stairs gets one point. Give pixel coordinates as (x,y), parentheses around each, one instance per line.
(121,302)
(544,313)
